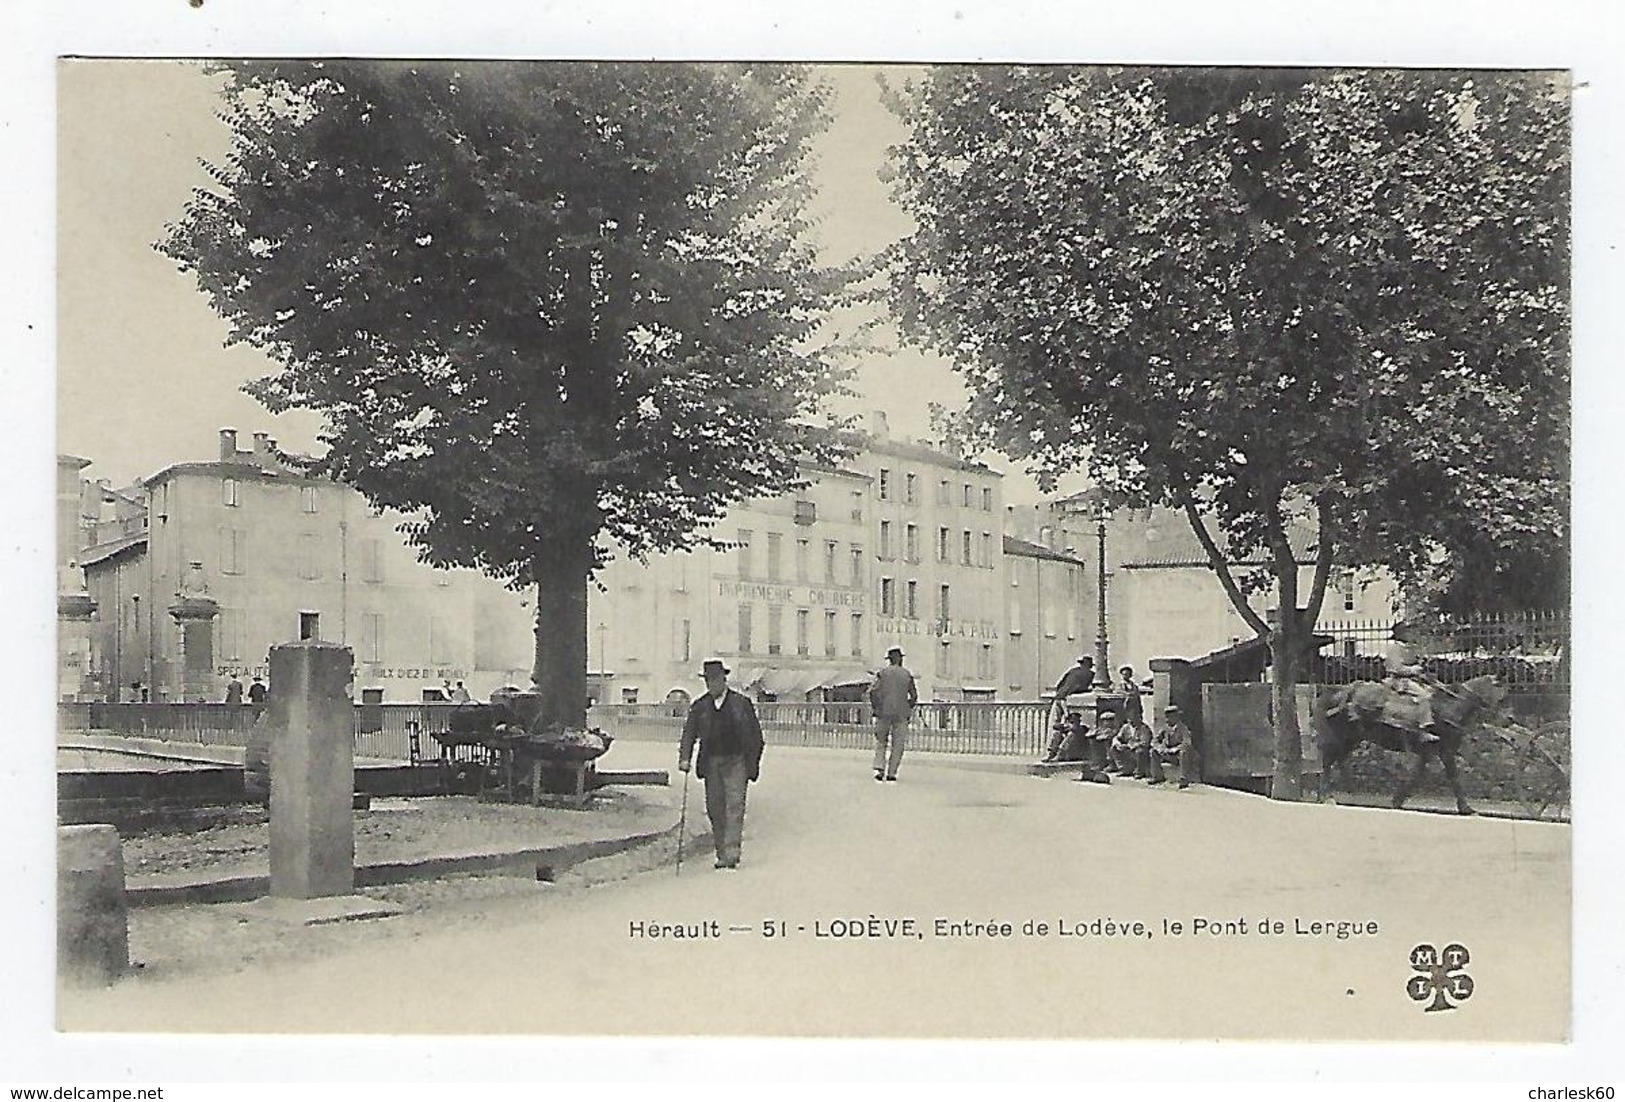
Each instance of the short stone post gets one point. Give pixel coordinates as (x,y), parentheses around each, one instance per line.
(92,924)
(312,771)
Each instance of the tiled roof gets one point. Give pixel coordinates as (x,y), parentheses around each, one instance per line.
(103,551)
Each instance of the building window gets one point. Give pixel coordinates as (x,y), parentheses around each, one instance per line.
(801,560)
(829,561)
(228,491)
(685,640)
(943,493)
(911,488)
(1046,618)
(885,484)
(911,543)
(987,499)
(911,600)
(307,498)
(744,629)
(942,545)
(745,566)
(1014,608)
(857,565)
(964,550)
(803,631)
(885,539)
(372,560)
(310,556)
(231,634)
(775,629)
(944,660)
(629,694)
(984,662)
(372,637)
(829,633)
(857,635)
(775,545)
(966,497)
(440,646)
(987,548)
(888,598)
(233,548)
(944,608)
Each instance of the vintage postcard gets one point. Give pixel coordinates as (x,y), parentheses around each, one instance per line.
(361,362)
(1068,551)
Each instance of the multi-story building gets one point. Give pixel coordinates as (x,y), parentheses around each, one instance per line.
(286,556)
(1162,599)
(939,562)
(787,604)
(901,546)
(1050,620)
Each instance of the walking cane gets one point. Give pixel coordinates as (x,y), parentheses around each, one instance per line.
(682,817)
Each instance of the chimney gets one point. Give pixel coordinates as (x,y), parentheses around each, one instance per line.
(877,424)
(228,445)
(262,448)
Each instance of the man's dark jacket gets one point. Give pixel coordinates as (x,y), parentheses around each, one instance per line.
(735,721)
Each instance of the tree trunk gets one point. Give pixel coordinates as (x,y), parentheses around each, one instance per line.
(1286,651)
(561,571)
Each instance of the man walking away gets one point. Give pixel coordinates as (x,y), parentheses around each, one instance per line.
(894,696)
(1174,743)
(234,691)
(724,724)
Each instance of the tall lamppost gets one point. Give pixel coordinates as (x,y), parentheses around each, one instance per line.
(1103,677)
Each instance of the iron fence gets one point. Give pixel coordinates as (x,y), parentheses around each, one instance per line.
(383,731)
(1527,652)
(958,727)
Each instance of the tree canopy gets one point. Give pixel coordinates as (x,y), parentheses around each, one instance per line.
(1259,295)
(543,307)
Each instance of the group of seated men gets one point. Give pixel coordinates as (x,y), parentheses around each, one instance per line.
(1126,750)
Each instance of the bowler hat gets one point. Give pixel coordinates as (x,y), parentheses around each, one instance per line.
(1108,715)
(1126,669)
(898,651)
(1171,709)
(714,665)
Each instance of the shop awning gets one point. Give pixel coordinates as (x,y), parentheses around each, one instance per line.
(784,681)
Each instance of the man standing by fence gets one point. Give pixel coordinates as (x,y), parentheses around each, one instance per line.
(724,723)
(894,696)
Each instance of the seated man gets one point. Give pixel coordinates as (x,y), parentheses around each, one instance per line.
(1172,743)
(1100,753)
(1130,749)
(1069,740)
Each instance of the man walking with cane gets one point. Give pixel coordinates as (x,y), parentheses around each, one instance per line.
(724,724)
(894,696)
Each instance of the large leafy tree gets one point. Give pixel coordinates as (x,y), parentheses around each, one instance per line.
(1334,300)
(544,308)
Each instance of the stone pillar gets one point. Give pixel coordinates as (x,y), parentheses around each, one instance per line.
(73,615)
(194,610)
(312,771)
(92,925)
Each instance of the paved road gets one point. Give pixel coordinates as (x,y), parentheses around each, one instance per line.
(827,849)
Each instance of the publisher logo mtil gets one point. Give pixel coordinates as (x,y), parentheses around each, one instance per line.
(1441,976)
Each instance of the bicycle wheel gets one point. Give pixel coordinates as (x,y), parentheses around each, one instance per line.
(1543,773)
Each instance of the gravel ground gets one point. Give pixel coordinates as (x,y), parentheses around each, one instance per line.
(398,829)
(203,938)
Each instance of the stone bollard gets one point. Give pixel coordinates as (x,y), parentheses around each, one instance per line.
(312,771)
(92,924)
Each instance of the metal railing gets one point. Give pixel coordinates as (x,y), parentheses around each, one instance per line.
(380,730)
(1526,651)
(959,727)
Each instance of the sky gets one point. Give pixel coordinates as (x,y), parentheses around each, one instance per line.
(144,378)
